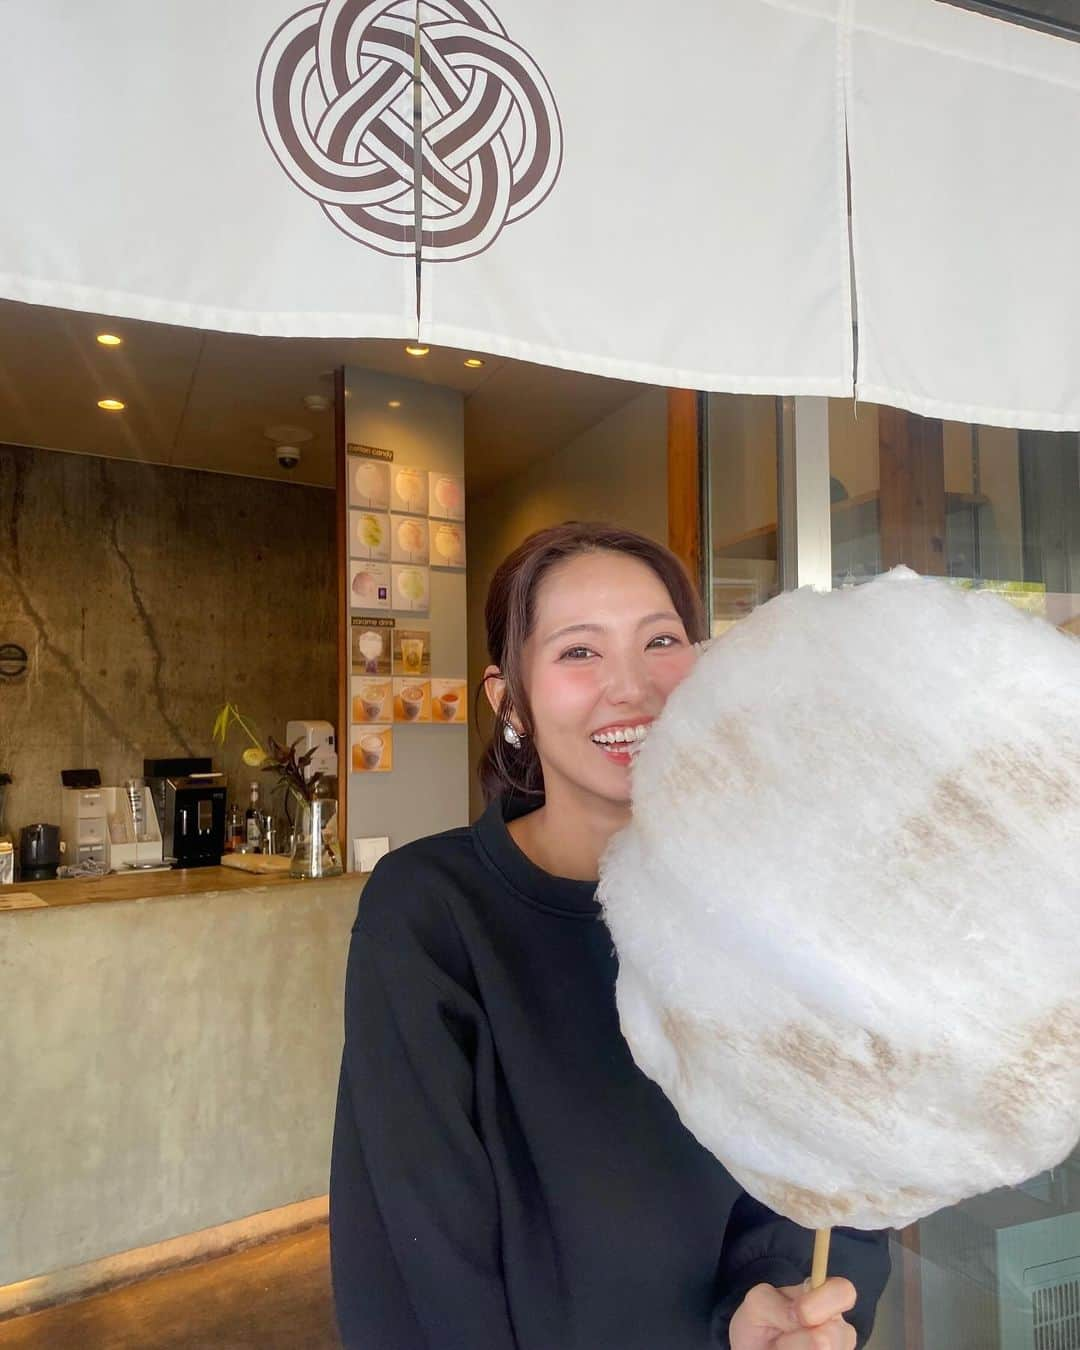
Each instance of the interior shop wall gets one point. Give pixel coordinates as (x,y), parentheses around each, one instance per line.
(616,471)
(146,597)
(426,790)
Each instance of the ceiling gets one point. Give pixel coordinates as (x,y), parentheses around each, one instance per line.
(203,400)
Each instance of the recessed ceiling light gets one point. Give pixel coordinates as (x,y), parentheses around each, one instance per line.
(416,349)
(109,340)
(473,362)
(394,403)
(110,404)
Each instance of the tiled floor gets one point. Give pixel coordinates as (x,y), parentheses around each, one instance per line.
(272,1297)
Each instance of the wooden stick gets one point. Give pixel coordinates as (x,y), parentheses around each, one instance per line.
(821,1258)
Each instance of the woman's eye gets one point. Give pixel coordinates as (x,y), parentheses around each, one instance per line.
(577,654)
(664,640)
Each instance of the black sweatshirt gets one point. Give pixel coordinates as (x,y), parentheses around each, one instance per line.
(504,1177)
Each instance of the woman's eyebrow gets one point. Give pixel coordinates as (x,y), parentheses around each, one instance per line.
(599,627)
(574,628)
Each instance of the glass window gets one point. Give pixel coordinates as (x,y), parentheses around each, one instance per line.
(993,508)
(742,557)
(987,507)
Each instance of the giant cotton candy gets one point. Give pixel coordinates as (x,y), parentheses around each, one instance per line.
(847,910)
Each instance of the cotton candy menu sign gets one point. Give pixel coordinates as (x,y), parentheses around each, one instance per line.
(846,907)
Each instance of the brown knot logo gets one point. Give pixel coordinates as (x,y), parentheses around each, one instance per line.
(338,103)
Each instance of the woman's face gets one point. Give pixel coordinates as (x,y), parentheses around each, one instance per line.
(607,648)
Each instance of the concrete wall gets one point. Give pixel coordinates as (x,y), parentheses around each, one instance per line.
(427,789)
(172,1065)
(147,597)
(616,471)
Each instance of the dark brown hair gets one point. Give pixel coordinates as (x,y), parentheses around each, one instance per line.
(510,614)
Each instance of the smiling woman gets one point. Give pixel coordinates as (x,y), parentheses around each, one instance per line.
(599,628)
(503,1174)
(643,602)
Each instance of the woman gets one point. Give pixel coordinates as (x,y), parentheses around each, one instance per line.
(504,1177)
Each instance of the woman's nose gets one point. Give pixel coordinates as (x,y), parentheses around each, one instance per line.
(628,680)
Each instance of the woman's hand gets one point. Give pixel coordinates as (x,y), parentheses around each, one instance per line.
(795,1318)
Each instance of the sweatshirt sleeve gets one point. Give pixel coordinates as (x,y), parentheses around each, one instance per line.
(414,1229)
(760,1247)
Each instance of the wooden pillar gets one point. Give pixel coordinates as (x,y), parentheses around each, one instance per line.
(912,502)
(684,479)
(344,633)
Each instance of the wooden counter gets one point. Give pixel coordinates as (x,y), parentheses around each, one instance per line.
(140,886)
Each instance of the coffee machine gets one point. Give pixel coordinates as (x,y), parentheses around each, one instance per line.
(189,798)
(39,852)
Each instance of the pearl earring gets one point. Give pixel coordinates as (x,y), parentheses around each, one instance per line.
(511,735)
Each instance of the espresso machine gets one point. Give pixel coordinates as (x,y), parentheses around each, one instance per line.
(189,798)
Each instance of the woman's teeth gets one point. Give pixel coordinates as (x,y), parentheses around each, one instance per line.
(621,736)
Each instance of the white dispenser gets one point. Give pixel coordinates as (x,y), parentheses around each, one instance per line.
(83,825)
(132,836)
(317,735)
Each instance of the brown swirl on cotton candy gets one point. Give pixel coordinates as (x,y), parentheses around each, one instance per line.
(1042,1066)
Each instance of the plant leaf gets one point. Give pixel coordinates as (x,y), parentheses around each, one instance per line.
(220,724)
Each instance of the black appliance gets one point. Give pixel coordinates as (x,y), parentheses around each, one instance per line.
(189,798)
(39,852)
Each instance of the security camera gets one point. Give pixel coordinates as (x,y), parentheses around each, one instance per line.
(288,456)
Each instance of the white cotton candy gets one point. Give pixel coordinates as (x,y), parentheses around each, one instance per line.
(847,910)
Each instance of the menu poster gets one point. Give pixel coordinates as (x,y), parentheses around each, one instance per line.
(372,699)
(447,496)
(412,651)
(372,644)
(369,586)
(448,701)
(369,534)
(447,544)
(408,539)
(412,700)
(409,490)
(369,483)
(412,587)
(371,749)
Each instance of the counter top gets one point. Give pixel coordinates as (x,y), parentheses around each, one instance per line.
(145,886)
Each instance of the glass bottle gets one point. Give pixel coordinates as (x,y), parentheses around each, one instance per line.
(253,822)
(235,833)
